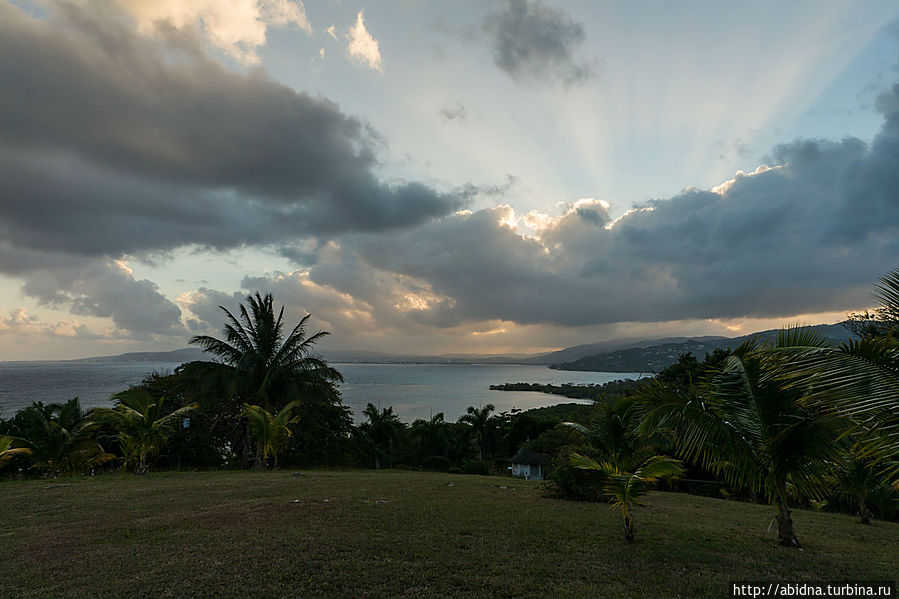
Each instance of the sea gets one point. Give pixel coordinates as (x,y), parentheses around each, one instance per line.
(412,390)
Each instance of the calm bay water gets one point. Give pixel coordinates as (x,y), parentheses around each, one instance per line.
(414,390)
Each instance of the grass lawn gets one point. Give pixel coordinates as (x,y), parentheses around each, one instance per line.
(400,533)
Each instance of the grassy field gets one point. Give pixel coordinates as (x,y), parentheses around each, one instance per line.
(396,534)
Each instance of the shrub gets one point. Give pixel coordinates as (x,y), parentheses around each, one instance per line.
(436,463)
(476,467)
(567,482)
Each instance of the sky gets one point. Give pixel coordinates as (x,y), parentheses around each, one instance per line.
(432,177)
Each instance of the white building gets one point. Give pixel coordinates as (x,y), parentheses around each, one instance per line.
(527,464)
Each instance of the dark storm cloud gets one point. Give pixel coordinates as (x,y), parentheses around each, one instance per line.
(115,143)
(532,42)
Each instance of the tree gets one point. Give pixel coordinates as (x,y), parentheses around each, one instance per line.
(860,378)
(259,363)
(882,320)
(751,427)
(8,452)
(272,431)
(61,438)
(613,433)
(266,366)
(624,488)
(479,420)
(142,424)
(383,431)
(430,435)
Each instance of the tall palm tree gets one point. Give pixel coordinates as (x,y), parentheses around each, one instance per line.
(272,431)
(479,420)
(430,435)
(754,429)
(61,438)
(142,424)
(261,364)
(383,430)
(8,452)
(625,488)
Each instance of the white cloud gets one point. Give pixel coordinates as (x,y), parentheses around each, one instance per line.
(363,48)
(19,322)
(332,31)
(237,27)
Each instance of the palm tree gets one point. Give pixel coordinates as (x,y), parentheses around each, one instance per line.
(430,435)
(259,362)
(858,479)
(613,433)
(754,429)
(262,365)
(8,452)
(624,488)
(272,431)
(479,420)
(860,378)
(383,431)
(142,425)
(61,438)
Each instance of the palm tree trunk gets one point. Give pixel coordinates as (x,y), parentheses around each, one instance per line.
(259,463)
(863,513)
(629,527)
(785,533)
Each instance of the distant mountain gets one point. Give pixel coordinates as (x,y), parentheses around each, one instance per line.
(653,358)
(581,351)
(188,354)
(617,355)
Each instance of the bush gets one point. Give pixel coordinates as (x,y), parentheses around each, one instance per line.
(454,470)
(567,482)
(436,463)
(476,467)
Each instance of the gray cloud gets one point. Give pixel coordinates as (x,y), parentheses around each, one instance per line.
(112,142)
(107,289)
(809,235)
(532,42)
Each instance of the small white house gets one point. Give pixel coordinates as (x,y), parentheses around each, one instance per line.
(527,464)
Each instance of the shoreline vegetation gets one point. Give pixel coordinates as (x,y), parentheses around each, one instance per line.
(589,391)
(796,428)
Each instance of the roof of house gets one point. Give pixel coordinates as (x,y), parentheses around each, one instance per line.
(526,456)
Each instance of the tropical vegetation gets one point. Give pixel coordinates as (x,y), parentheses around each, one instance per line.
(797,423)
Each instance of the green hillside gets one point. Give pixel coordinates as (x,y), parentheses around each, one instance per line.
(399,534)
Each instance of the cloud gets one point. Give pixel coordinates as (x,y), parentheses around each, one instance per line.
(111,144)
(808,234)
(362,47)
(107,289)
(237,28)
(533,42)
(332,31)
(454,112)
(20,323)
